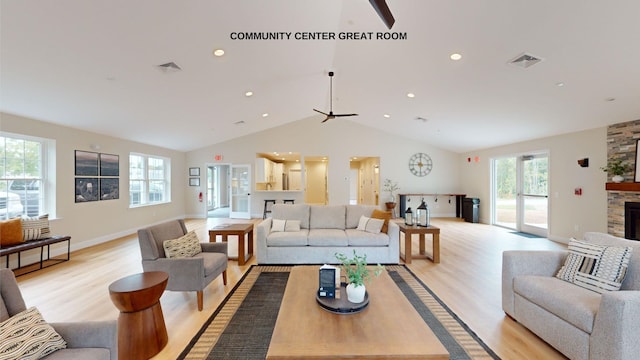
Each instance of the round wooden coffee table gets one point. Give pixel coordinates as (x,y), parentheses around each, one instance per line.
(141,329)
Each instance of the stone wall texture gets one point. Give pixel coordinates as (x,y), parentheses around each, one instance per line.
(621,144)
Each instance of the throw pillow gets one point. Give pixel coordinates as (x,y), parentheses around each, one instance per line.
(277,225)
(370,225)
(26,335)
(11,232)
(598,268)
(384,215)
(182,247)
(36,227)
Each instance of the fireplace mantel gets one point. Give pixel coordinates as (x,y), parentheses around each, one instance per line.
(623,186)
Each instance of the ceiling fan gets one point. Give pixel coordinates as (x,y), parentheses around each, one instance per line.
(383,11)
(331,115)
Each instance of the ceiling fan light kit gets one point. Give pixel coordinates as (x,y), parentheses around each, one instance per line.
(331,115)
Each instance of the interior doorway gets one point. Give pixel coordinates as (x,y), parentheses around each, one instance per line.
(364,180)
(316,177)
(521,193)
(218,188)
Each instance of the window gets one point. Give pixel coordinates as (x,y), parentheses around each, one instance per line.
(149,179)
(22,175)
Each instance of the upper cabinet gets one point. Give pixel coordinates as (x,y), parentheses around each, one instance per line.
(278,171)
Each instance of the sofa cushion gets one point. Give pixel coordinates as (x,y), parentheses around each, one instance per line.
(291,238)
(292,212)
(595,267)
(370,225)
(183,247)
(327,217)
(632,280)
(576,305)
(36,227)
(327,237)
(362,238)
(384,215)
(11,232)
(26,335)
(354,212)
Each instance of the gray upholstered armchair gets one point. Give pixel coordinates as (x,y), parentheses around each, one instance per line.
(185,274)
(85,340)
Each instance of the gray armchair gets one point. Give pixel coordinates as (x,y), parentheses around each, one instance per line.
(85,340)
(185,274)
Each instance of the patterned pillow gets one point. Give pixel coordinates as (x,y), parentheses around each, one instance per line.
(36,227)
(370,225)
(26,335)
(598,268)
(182,247)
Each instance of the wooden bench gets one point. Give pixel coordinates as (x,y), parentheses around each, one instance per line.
(34,244)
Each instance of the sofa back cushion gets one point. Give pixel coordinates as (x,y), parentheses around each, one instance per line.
(354,212)
(632,279)
(292,212)
(327,217)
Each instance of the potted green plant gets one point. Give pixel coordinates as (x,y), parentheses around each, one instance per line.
(357,272)
(617,168)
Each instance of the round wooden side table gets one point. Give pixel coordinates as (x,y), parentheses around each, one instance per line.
(141,329)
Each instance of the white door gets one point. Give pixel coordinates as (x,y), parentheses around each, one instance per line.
(240,192)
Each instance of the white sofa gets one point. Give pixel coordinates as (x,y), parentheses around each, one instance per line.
(324,231)
(580,323)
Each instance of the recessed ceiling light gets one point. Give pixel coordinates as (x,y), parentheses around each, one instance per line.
(455,57)
(248,93)
(218,52)
(560,84)
(265,114)
(386,116)
(411,95)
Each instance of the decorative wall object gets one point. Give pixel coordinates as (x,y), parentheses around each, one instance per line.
(109,188)
(194,171)
(86,163)
(109,165)
(194,181)
(87,189)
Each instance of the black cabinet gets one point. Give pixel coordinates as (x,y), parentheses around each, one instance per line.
(470,209)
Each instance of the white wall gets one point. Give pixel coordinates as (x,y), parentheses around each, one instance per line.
(94,222)
(567,211)
(339,140)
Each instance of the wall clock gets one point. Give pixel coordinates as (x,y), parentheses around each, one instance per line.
(420,164)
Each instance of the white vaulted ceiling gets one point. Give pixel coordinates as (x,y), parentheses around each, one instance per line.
(93,65)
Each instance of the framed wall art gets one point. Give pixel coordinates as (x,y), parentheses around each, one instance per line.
(109,165)
(87,189)
(194,181)
(86,163)
(194,171)
(109,188)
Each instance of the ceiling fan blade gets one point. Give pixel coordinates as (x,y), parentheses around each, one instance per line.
(321,112)
(383,11)
(327,118)
(343,115)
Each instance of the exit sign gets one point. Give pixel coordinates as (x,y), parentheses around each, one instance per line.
(218,157)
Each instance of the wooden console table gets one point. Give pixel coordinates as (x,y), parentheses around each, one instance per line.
(239,230)
(141,329)
(459,201)
(408,231)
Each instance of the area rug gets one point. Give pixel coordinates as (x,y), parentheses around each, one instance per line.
(241,327)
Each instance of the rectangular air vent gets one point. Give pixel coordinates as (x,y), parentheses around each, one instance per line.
(169,67)
(525,60)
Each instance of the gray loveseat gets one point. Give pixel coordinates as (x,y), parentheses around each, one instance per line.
(324,230)
(580,323)
(85,340)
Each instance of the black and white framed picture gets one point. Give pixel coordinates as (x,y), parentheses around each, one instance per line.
(194,171)
(109,165)
(194,181)
(109,188)
(86,163)
(87,189)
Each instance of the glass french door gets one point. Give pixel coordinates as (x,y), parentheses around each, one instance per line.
(240,192)
(521,193)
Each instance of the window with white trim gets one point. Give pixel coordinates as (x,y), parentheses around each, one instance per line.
(23,169)
(149,180)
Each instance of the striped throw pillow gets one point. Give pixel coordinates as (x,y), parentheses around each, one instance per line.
(36,227)
(598,268)
(26,335)
(182,247)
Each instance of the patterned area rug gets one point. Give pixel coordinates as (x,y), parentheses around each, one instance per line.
(242,326)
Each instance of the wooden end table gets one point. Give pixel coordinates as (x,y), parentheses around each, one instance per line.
(141,329)
(239,230)
(409,230)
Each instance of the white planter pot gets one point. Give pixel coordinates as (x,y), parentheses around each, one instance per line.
(617,179)
(355,294)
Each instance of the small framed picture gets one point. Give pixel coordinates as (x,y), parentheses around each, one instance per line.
(194,181)
(86,163)
(194,171)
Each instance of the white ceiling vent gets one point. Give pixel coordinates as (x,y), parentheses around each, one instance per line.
(169,67)
(525,60)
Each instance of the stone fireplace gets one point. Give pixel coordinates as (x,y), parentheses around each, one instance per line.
(632,220)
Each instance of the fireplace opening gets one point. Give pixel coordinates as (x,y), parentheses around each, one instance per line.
(632,220)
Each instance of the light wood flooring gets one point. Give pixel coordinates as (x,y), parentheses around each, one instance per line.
(468,280)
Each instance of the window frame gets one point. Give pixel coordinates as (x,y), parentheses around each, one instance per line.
(146,180)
